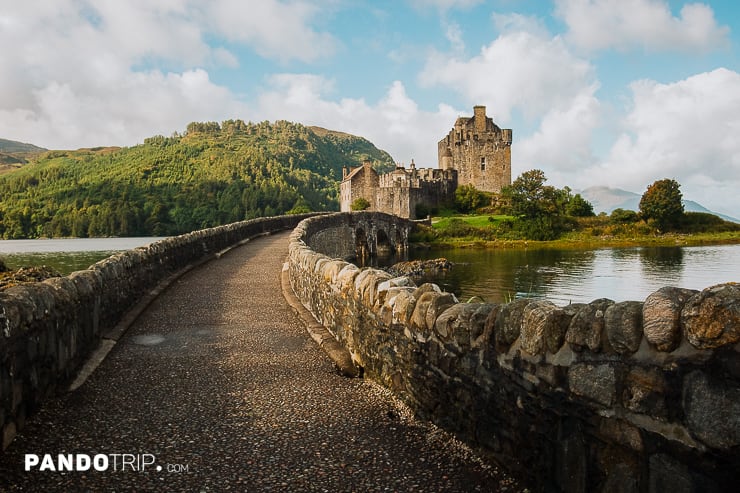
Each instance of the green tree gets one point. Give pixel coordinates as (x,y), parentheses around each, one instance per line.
(577,206)
(468,198)
(662,203)
(530,197)
(359,204)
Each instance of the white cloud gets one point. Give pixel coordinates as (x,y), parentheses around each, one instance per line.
(443,5)
(533,74)
(686,130)
(275,29)
(395,123)
(518,70)
(78,73)
(144,104)
(622,24)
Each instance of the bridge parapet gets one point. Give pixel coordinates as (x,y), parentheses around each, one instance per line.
(604,396)
(48,329)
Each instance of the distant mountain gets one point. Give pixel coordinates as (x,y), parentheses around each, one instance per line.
(606,199)
(11,146)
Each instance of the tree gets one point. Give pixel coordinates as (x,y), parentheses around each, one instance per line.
(661,202)
(577,206)
(359,204)
(468,198)
(530,197)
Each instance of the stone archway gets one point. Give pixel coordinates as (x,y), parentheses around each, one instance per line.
(383,245)
(362,248)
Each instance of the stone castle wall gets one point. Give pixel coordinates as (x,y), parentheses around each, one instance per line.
(598,397)
(400,192)
(479,150)
(48,329)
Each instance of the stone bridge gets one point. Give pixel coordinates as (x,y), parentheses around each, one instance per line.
(361,234)
(212,382)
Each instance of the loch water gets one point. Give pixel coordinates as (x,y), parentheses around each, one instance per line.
(566,276)
(67,254)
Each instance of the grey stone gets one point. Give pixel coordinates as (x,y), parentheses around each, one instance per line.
(712,410)
(587,326)
(623,322)
(661,314)
(595,382)
(508,324)
(668,475)
(454,324)
(543,327)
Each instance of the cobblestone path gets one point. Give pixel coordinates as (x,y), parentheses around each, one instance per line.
(220,388)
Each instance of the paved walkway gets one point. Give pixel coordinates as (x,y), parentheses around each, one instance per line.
(219,380)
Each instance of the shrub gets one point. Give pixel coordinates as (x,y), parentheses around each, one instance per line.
(360,204)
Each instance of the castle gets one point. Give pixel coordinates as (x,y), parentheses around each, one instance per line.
(475,152)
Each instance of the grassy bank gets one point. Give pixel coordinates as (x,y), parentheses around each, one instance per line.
(484,231)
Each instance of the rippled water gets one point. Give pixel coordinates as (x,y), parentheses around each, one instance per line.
(65,255)
(565,276)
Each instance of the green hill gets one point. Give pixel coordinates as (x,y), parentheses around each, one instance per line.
(213,174)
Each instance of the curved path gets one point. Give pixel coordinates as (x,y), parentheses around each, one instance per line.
(220,384)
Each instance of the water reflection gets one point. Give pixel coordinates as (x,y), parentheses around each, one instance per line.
(570,276)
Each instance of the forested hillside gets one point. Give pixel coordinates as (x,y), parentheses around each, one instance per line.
(213,174)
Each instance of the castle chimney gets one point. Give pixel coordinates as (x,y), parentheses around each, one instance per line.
(479,119)
(344,172)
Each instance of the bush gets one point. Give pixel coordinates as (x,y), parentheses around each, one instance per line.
(624,216)
(360,204)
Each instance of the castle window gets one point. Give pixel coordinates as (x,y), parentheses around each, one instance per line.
(483,164)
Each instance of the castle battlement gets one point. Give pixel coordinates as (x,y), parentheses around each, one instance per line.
(475,152)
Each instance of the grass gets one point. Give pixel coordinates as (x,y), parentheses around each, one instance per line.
(481,231)
(481,221)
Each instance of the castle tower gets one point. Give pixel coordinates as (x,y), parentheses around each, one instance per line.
(479,150)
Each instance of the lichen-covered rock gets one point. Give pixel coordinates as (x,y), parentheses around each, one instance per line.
(438,305)
(661,316)
(480,330)
(366,285)
(427,287)
(390,297)
(419,317)
(712,410)
(508,323)
(403,307)
(711,319)
(543,327)
(418,268)
(623,322)
(453,325)
(587,326)
(346,278)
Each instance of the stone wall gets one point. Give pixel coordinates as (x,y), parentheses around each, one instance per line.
(604,396)
(48,329)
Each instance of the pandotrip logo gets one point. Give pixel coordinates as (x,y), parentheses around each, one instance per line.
(137,463)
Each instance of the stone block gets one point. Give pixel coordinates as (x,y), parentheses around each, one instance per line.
(712,410)
(668,475)
(623,323)
(661,315)
(645,392)
(587,326)
(711,319)
(543,327)
(595,382)
(508,323)
(453,325)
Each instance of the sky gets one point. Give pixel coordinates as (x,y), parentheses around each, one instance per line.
(616,93)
